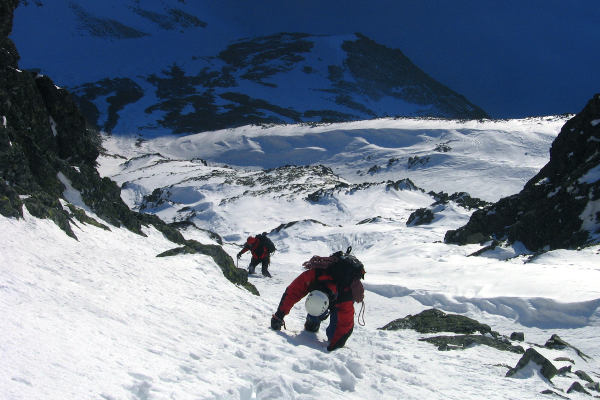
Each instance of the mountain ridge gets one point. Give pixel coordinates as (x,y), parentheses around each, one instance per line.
(284,77)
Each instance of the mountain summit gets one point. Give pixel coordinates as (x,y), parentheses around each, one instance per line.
(167,68)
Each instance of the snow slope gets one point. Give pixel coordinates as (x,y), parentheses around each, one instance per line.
(489,159)
(103,318)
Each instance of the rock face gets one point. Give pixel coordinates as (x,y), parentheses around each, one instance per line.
(44,145)
(557,208)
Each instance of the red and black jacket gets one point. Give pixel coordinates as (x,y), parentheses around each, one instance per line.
(341,302)
(256,247)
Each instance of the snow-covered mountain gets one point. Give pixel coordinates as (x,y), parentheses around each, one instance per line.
(174,67)
(100,301)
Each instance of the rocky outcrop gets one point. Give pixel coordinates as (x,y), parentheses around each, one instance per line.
(421,216)
(533,363)
(45,146)
(434,320)
(557,208)
(531,356)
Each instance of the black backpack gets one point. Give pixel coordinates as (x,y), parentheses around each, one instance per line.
(347,268)
(266,242)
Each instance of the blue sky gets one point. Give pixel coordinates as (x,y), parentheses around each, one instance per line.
(512,58)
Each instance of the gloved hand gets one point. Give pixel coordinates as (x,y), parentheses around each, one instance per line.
(277,321)
(239,255)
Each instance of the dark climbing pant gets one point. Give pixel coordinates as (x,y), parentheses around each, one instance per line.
(265,266)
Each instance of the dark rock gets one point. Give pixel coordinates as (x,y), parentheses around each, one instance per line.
(7,7)
(443,148)
(119,92)
(417,161)
(379,71)
(325,194)
(370,220)
(577,387)
(374,169)
(187,224)
(463,199)
(290,224)
(546,213)
(464,341)
(593,386)
(564,359)
(421,216)
(562,371)
(82,217)
(553,393)
(518,336)
(434,320)
(547,369)
(489,247)
(8,53)
(584,376)
(402,184)
(555,342)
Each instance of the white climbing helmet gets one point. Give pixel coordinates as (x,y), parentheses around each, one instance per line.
(317,303)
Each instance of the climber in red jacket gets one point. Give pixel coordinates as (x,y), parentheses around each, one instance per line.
(339,277)
(261,248)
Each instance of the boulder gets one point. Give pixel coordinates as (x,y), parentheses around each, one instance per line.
(532,360)
(421,216)
(434,320)
(577,387)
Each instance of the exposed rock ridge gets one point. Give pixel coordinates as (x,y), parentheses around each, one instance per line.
(557,208)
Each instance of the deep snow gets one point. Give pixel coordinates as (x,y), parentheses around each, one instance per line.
(103,318)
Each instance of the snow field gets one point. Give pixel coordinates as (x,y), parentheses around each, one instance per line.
(103,318)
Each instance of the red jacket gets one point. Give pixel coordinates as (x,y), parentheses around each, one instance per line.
(341,303)
(257,249)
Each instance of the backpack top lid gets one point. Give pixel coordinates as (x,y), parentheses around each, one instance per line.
(348,267)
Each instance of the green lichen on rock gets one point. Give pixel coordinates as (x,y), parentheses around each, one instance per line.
(434,320)
(465,341)
(43,206)
(81,216)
